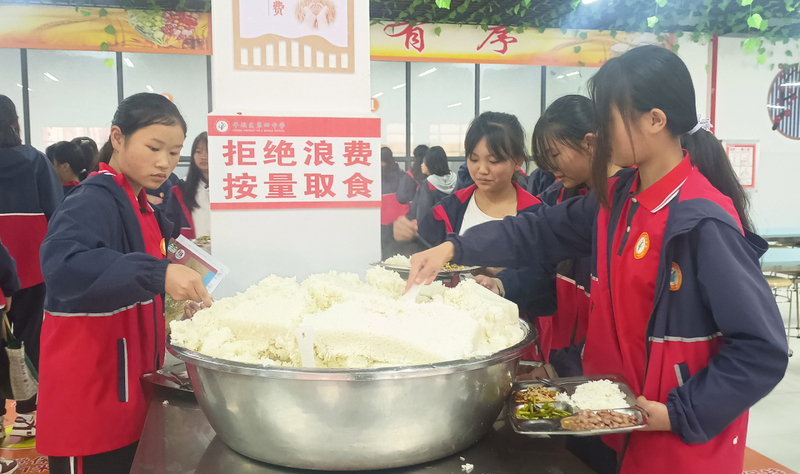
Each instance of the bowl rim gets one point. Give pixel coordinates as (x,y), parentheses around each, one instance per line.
(380,373)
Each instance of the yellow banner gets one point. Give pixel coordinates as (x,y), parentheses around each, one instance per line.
(470,44)
(135,31)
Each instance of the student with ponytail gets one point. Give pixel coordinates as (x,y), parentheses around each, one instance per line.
(104,263)
(70,162)
(679,305)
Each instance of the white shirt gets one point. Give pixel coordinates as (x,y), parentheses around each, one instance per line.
(474,216)
(201,217)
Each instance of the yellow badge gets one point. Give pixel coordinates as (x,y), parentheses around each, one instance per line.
(642,246)
(675,277)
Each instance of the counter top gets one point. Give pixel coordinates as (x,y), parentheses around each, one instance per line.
(178,439)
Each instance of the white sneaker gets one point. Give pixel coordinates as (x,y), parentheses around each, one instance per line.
(8,466)
(24,426)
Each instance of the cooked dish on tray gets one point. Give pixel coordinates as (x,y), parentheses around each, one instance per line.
(402,261)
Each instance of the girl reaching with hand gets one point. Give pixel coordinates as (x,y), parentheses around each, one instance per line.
(679,305)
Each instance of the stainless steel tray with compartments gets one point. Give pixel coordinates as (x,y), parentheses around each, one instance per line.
(553,426)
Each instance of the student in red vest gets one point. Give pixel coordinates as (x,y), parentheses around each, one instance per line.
(679,305)
(9,284)
(188,206)
(104,263)
(29,194)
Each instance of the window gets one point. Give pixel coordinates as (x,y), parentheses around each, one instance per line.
(72,94)
(11,80)
(442,105)
(389,96)
(182,77)
(563,81)
(515,90)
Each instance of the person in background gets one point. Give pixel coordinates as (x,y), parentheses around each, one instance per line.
(495,147)
(70,163)
(391,208)
(9,284)
(89,148)
(440,183)
(104,263)
(158,196)
(409,184)
(539,180)
(188,206)
(679,305)
(464,179)
(30,191)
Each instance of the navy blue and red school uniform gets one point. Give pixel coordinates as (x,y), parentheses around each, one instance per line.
(103,261)
(9,282)
(678,306)
(179,214)
(68,186)
(533,288)
(30,191)
(561,336)
(407,188)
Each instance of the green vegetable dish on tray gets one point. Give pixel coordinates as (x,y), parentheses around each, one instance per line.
(533,411)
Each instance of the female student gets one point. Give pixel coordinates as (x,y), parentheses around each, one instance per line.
(495,149)
(188,207)
(89,149)
(679,305)
(70,163)
(29,193)
(409,184)
(439,184)
(103,261)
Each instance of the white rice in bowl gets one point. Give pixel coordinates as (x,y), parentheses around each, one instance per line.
(595,395)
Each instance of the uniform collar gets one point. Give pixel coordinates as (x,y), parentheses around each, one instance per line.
(144,204)
(665,189)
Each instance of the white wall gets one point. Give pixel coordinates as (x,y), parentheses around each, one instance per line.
(296,242)
(742,88)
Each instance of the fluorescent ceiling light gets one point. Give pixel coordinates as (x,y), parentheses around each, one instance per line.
(776,106)
(485,98)
(377,95)
(560,77)
(398,86)
(586,2)
(50,76)
(454,105)
(19,85)
(574,73)
(791,84)
(128,62)
(429,71)
(149,88)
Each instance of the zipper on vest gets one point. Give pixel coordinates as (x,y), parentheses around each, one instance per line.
(631,212)
(155,331)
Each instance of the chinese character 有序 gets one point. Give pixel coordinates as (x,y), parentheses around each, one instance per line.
(357,152)
(243,185)
(280,186)
(415,36)
(358,185)
(278,153)
(319,185)
(323,153)
(500,35)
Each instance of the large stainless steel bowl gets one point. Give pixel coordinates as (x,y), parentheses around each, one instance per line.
(352,419)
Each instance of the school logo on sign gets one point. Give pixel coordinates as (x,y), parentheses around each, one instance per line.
(642,246)
(675,277)
(222,126)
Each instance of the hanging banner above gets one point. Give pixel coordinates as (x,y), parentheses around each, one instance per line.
(471,44)
(294,162)
(97,29)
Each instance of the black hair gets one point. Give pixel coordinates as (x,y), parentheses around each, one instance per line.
(387,156)
(391,172)
(139,111)
(71,154)
(89,149)
(9,124)
(647,78)
(419,157)
(436,161)
(567,121)
(505,137)
(189,186)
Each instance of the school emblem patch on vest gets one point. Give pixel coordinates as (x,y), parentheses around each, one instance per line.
(642,246)
(675,277)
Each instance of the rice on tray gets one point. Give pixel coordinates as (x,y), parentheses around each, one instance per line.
(595,395)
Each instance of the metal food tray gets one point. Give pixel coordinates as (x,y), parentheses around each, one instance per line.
(443,274)
(552,426)
(174,377)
